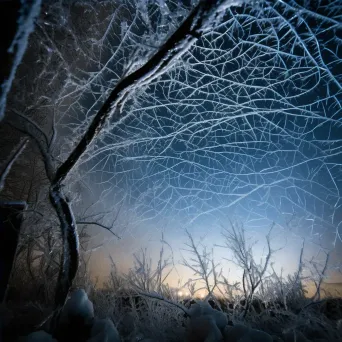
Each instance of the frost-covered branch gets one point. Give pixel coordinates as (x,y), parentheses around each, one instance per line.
(200,21)
(202,264)
(28,13)
(253,273)
(165,300)
(93,223)
(244,117)
(5,169)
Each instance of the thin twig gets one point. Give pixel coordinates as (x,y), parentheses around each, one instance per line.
(100,225)
(163,299)
(4,173)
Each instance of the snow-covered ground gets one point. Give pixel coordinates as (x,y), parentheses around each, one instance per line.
(78,323)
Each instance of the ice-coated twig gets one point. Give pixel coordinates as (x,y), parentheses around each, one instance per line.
(29,11)
(8,165)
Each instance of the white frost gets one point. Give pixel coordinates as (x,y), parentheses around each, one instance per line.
(29,11)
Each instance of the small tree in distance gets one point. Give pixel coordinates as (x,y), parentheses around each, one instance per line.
(253,274)
(204,267)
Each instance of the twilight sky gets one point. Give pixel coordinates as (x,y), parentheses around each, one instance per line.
(246,127)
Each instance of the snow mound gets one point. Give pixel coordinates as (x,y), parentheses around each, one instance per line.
(241,333)
(206,324)
(39,336)
(103,330)
(77,306)
(204,309)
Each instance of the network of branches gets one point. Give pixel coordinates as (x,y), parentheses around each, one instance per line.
(245,120)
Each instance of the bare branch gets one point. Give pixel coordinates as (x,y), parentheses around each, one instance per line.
(109,229)
(28,13)
(197,23)
(7,168)
(165,300)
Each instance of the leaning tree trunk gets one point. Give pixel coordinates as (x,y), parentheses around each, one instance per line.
(200,21)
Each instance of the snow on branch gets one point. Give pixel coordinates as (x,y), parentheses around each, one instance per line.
(8,165)
(198,22)
(29,11)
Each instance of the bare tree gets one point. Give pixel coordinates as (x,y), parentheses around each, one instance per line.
(143,278)
(222,106)
(319,275)
(198,22)
(286,289)
(201,263)
(242,254)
